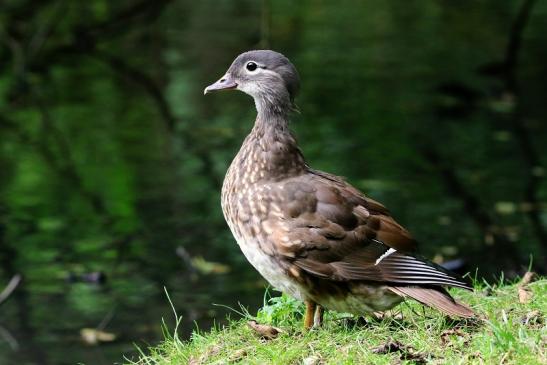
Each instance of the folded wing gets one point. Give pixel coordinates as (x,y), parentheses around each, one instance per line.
(341,235)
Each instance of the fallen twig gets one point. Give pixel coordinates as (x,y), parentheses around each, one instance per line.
(9,338)
(524,293)
(528,278)
(265,331)
(406,352)
(13,283)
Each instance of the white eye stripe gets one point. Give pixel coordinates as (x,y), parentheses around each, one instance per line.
(252,67)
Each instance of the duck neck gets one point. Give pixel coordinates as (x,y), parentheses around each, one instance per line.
(273,103)
(271,148)
(273,111)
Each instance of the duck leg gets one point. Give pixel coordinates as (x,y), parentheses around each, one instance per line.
(318,316)
(310,313)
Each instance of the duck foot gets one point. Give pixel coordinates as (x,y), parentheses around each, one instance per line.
(310,314)
(318,316)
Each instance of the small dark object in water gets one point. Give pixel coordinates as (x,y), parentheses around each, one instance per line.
(94,277)
(455,265)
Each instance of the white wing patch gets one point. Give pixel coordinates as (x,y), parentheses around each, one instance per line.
(385,254)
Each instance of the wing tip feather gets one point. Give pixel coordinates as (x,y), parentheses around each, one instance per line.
(436,298)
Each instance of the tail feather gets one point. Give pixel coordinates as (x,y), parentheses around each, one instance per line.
(437,298)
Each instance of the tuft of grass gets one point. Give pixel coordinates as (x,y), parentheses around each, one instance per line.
(507,332)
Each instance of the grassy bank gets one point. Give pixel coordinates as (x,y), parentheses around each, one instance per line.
(512,330)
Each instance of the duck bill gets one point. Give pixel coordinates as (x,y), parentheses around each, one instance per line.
(225,83)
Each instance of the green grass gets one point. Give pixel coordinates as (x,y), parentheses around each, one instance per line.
(509,332)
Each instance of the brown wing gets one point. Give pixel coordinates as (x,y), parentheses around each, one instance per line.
(331,230)
(337,194)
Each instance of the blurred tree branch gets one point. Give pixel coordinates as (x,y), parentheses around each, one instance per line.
(8,258)
(456,187)
(514,44)
(265,24)
(84,42)
(117,25)
(12,285)
(528,151)
(64,167)
(137,76)
(9,338)
(473,208)
(147,83)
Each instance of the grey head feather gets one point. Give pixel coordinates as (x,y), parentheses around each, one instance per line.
(282,80)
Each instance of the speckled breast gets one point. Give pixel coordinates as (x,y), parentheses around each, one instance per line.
(246,206)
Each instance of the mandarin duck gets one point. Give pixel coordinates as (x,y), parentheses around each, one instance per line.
(309,233)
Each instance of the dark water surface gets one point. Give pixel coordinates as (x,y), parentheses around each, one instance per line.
(41,323)
(111,158)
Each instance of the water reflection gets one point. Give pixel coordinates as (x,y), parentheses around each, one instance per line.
(42,325)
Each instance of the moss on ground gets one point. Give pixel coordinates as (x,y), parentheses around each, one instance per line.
(512,330)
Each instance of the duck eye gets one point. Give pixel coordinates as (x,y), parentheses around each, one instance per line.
(251,66)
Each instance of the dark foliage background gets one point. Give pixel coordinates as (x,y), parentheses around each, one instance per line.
(112,160)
